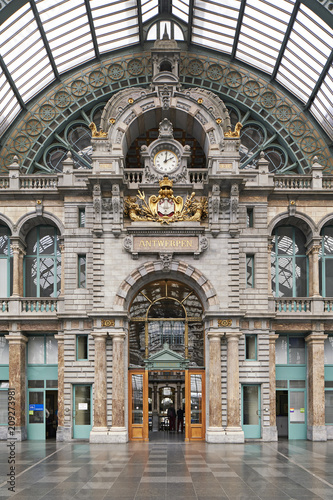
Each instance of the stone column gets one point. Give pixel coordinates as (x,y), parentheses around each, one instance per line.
(314,253)
(17,368)
(18,253)
(215,432)
(316,430)
(62,277)
(61,387)
(99,430)
(118,432)
(272,389)
(234,432)
(269,269)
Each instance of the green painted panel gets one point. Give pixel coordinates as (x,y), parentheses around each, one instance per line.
(42,372)
(4,372)
(328,372)
(290,372)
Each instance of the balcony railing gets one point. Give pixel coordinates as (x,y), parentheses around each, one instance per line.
(293,182)
(16,306)
(27,182)
(293,305)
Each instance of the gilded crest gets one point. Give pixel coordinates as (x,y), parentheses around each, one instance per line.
(166,207)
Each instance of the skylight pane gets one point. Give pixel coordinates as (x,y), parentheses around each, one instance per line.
(115,20)
(23,50)
(264,26)
(63,21)
(310,43)
(322,107)
(180,8)
(9,106)
(149,8)
(214,23)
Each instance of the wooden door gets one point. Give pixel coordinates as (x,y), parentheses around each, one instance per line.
(138,405)
(195,405)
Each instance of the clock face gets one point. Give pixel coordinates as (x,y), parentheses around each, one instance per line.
(165,161)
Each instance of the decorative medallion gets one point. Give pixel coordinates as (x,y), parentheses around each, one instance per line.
(62,99)
(283,113)
(309,144)
(33,128)
(22,144)
(166,207)
(215,72)
(268,100)
(135,67)
(96,79)
(108,322)
(47,112)
(224,322)
(115,71)
(79,88)
(195,67)
(233,79)
(251,88)
(297,128)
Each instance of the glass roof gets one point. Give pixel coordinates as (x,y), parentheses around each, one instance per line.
(291,41)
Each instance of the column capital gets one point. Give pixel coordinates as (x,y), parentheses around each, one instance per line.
(117,334)
(235,336)
(273,337)
(215,334)
(60,337)
(316,338)
(99,335)
(16,338)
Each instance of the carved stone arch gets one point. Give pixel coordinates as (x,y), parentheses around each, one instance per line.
(131,112)
(31,220)
(300,220)
(179,271)
(327,220)
(5,221)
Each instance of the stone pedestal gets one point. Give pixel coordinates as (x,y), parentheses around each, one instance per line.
(271,433)
(316,430)
(215,432)
(234,431)
(17,368)
(61,387)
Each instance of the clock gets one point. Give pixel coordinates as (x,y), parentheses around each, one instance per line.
(165,161)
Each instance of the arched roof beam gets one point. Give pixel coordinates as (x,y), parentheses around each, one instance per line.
(238,28)
(92,29)
(138,4)
(45,41)
(286,38)
(320,80)
(12,83)
(190,22)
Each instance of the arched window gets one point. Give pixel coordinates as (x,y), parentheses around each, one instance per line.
(169,312)
(6,263)
(289,269)
(326,262)
(42,264)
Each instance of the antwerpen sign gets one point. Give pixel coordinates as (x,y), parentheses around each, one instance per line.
(162,243)
(179,244)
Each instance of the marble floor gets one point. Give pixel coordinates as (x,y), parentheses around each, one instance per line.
(170,470)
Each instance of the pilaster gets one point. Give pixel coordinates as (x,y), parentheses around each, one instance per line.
(234,431)
(272,388)
(61,386)
(316,430)
(17,368)
(215,432)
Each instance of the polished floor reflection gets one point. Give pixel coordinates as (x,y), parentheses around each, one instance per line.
(170,470)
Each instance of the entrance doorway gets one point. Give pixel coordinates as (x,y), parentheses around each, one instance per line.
(163,404)
(166,362)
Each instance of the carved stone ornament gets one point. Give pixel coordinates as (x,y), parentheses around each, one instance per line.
(165,129)
(166,207)
(166,259)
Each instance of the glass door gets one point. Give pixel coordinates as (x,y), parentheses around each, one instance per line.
(82,417)
(138,405)
(251,420)
(194,405)
(36,415)
(297,412)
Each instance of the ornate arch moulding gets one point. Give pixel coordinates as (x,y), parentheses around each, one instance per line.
(235,84)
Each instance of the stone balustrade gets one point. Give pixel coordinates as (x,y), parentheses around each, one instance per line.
(19,306)
(293,305)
